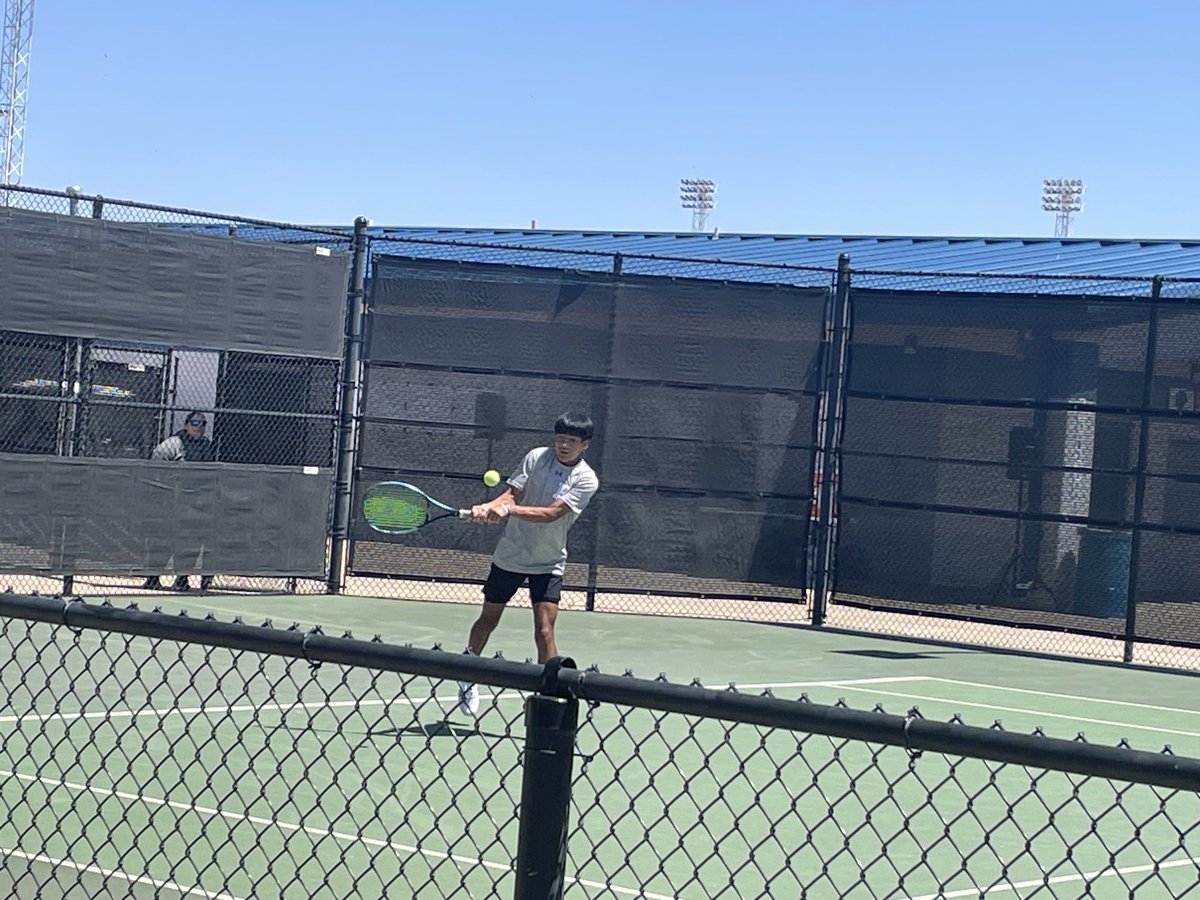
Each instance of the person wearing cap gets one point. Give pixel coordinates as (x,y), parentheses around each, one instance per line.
(190,444)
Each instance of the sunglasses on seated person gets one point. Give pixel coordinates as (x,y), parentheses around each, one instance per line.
(199,423)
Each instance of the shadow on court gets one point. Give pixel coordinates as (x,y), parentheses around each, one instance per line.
(439,729)
(900,655)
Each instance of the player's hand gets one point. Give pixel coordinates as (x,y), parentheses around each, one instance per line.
(479,514)
(497,514)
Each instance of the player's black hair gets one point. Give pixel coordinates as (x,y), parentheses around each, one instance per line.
(576,423)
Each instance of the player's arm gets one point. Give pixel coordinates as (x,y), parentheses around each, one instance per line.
(492,511)
(170,450)
(571,499)
(539,515)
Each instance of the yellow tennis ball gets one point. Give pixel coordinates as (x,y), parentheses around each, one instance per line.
(491,478)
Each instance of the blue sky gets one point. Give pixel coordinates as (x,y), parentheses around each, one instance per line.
(932,118)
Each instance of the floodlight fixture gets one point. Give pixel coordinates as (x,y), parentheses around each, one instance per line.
(698,195)
(1064,198)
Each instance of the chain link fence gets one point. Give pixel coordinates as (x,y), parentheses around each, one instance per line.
(71,396)
(119,400)
(502,252)
(442,405)
(95,206)
(693,597)
(147,753)
(1018,462)
(939,526)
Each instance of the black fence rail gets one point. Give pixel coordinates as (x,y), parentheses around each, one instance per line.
(165,752)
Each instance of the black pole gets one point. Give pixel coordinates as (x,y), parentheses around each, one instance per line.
(829,439)
(818,521)
(600,396)
(352,356)
(550,728)
(816,457)
(79,387)
(1139,491)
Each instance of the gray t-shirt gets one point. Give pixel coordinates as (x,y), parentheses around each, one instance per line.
(539,548)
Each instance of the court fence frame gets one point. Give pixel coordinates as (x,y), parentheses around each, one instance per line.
(834,596)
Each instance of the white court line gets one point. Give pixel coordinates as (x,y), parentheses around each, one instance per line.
(997,687)
(288,826)
(112,873)
(450,699)
(203,710)
(1026,712)
(398,701)
(1060,879)
(894,679)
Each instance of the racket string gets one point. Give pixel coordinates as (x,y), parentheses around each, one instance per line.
(395,508)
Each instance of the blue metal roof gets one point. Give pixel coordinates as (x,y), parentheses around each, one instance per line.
(1106,267)
(752,257)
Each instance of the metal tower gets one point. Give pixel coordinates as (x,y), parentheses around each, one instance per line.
(1062,196)
(14,87)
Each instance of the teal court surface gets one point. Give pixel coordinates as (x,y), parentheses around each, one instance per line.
(132,767)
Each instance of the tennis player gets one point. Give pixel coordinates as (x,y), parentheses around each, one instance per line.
(544,497)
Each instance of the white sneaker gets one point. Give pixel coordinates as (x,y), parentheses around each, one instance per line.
(468,698)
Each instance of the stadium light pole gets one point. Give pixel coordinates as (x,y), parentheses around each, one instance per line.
(698,195)
(1063,197)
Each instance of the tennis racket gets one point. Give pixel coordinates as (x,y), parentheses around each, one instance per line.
(397,507)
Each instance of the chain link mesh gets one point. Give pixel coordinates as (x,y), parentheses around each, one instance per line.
(133,765)
(1000,283)
(501,251)
(64,203)
(134,761)
(691,807)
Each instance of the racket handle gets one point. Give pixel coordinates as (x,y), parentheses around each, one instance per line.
(464,513)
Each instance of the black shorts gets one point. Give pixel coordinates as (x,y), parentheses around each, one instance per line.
(501,585)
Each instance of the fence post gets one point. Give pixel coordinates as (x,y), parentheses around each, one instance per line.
(73,423)
(551,723)
(348,418)
(1139,490)
(829,440)
(600,417)
(98,207)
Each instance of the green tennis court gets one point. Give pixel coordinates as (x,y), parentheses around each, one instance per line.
(132,767)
